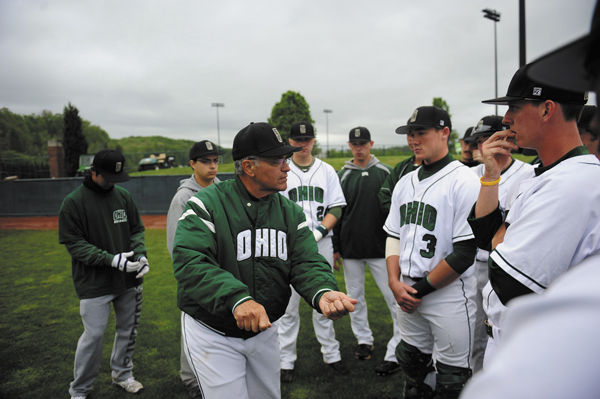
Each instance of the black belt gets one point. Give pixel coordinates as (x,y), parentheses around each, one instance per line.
(416,279)
(488,328)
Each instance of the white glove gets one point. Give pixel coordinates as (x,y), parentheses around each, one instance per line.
(320,232)
(121,262)
(144,267)
(318,235)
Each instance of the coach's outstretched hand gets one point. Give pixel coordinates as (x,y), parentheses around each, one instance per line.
(251,315)
(335,304)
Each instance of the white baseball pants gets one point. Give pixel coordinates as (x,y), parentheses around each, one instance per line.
(354,275)
(228,367)
(289,324)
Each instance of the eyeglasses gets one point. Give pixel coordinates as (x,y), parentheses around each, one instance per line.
(273,161)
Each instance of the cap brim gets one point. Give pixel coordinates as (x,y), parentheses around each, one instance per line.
(502,100)
(279,151)
(564,68)
(407,128)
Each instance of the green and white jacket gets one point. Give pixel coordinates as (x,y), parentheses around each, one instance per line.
(231,247)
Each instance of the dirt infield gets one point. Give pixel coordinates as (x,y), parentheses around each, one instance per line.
(51,222)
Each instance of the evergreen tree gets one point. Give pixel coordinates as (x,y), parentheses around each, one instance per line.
(290,109)
(453,139)
(74,143)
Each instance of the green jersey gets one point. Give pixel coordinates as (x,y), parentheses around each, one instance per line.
(231,247)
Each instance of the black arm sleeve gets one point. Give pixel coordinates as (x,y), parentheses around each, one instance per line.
(504,285)
(485,227)
(463,255)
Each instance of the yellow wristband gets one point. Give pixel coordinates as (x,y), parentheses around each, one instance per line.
(489,183)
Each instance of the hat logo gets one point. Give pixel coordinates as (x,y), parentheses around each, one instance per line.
(303,129)
(118,166)
(209,146)
(413,117)
(537,91)
(441,122)
(356,132)
(277,135)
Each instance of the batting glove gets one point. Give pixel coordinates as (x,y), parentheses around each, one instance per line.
(121,262)
(144,266)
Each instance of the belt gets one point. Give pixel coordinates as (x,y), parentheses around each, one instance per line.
(488,328)
(416,279)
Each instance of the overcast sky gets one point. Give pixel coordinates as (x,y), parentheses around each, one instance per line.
(149,67)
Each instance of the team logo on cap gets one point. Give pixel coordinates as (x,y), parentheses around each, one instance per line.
(209,146)
(537,91)
(413,117)
(356,132)
(441,122)
(118,166)
(302,129)
(277,135)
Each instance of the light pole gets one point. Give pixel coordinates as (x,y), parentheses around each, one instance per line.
(494,15)
(218,105)
(327,112)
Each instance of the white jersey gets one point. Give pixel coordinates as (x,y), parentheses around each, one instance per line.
(550,349)
(508,188)
(429,215)
(315,191)
(553,223)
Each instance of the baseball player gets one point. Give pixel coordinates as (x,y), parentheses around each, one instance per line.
(513,172)
(568,312)
(204,161)
(312,184)
(429,252)
(238,247)
(401,168)
(537,240)
(361,178)
(466,149)
(589,130)
(100,226)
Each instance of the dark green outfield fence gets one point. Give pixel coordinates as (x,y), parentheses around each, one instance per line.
(42,197)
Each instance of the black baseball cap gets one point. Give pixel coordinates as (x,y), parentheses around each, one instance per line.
(204,148)
(467,135)
(522,87)
(574,66)
(426,117)
(111,165)
(359,133)
(487,126)
(302,130)
(260,139)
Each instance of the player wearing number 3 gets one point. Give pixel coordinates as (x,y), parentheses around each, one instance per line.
(428,254)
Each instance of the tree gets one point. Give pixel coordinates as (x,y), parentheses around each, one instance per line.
(453,139)
(74,143)
(290,109)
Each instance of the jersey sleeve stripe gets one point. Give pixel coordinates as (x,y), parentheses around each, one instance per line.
(208,223)
(391,233)
(303,224)
(517,274)
(244,299)
(199,202)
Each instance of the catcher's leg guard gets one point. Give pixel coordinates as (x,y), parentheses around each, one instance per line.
(415,365)
(450,380)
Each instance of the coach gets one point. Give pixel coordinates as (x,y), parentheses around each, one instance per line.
(238,247)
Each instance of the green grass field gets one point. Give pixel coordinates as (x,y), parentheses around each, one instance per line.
(337,164)
(40,326)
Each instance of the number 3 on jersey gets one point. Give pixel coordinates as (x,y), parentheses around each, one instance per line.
(431,241)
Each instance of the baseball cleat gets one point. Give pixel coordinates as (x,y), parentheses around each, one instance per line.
(363,351)
(339,367)
(387,368)
(130,385)
(287,375)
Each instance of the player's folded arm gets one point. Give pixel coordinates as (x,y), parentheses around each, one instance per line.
(485,227)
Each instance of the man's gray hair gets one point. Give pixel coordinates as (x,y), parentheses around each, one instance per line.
(239,171)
